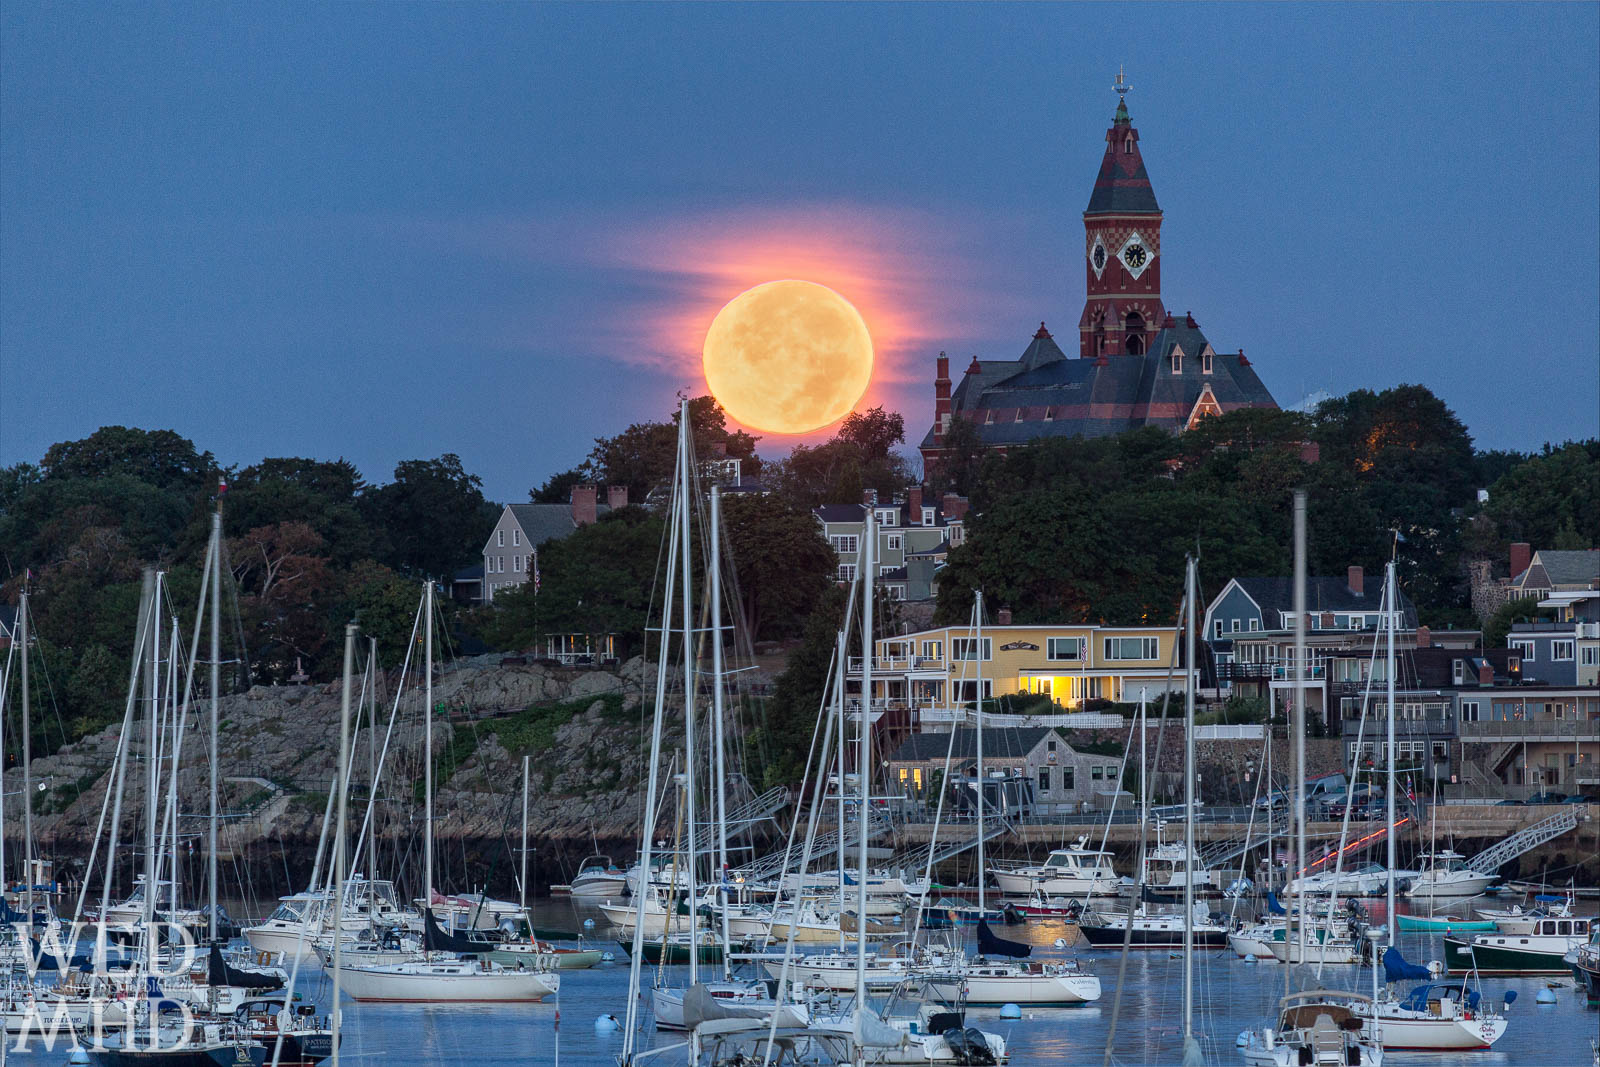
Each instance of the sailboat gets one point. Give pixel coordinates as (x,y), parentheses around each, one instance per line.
(438,976)
(997,974)
(1313,1026)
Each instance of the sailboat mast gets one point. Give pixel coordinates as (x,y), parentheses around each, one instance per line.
(427,752)
(151,671)
(522,875)
(1390,603)
(341,782)
(717,712)
(24,624)
(372,764)
(864,759)
(1298,719)
(1188,804)
(843,642)
(685,516)
(977,615)
(216,676)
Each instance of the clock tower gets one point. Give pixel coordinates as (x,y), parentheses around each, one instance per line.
(1122,248)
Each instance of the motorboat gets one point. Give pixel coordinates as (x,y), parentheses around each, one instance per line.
(1316,1028)
(597,878)
(1366,881)
(1514,920)
(1151,930)
(1333,940)
(1540,951)
(1169,867)
(1584,961)
(302,920)
(1074,872)
(306,1038)
(751,999)
(1446,874)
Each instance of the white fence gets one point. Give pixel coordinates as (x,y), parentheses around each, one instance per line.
(1230,733)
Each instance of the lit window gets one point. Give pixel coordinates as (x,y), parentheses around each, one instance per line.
(1523,649)
(932,649)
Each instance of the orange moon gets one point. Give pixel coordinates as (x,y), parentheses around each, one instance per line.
(788,356)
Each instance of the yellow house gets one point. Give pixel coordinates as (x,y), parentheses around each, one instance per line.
(935,673)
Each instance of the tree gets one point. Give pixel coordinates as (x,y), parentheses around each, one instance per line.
(644,455)
(961,458)
(326,496)
(384,605)
(557,489)
(1558,490)
(287,596)
(783,736)
(874,431)
(1522,609)
(434,516)
(782,565)
(159,457)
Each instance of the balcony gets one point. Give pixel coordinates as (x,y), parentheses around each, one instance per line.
(1540,729)
(890,664)
(1066,720)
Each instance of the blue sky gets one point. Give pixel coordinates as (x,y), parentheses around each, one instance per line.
(391,231)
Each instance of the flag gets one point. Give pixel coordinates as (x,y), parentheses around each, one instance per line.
(222,487)
(536,571)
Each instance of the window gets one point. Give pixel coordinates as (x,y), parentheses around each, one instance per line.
(1255,624)
(1177,361)
(847,572)
(967,691)
(1235,625)
(1097,772)
(1044,779)
(894,592)
(1130,648)
(1218,628)
(1069,778)
(893,542)
(1591,655)
(927,516)
(932,649)
(1522,648)
(500,538)
(1050,745)
(888,516)
(1441,751)
(967,648)
(516,537)
(1205,362)
(844,544)
(1469,711)
(1561,651)
(1063,648)
(516,564)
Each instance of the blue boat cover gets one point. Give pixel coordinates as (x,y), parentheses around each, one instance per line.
(990,945)
(1273,907)
(1396,969)
(1550,899)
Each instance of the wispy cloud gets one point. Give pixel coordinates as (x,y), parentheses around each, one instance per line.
(651,283)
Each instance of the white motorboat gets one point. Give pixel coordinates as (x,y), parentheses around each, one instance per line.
(370,907)
(1072,872)
(473,911)
(1516,920)
(748,999)
(989,981)
(1316,1028)
(1150,929)
(1366,881)
(433,981)
(1254,941)
(1446,874)
(836,971)
(1169,867)
(598,878)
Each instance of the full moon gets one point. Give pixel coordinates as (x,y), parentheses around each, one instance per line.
(788,356)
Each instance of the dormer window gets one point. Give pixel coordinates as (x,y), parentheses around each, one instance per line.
(1205,361)
(1127,145)
(927,516)
(1019,415)
(1177,360)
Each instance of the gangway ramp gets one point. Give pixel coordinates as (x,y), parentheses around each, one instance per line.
(1491,859)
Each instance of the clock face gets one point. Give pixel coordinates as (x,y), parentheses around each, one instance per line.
(1098,257)
(1135,255)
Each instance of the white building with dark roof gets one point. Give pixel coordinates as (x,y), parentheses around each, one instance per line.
(509,553)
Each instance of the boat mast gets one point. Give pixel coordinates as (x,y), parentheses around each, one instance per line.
(864,773)
(152,669)
(216,675)
(372,776)
(522,876)
(1391,604)
(341,782)
(1191,1048)
(1297,724)
(717,711)
(685,515)
(24,624)
(842,641)
(977,615)
(427,760)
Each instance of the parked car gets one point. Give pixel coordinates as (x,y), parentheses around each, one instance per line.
(1508,802)
(1580,799)
(1548,798)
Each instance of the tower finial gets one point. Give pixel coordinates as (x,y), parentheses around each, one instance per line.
(1121,86)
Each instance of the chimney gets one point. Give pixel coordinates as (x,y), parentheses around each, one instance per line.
(583,504)
(1486,673)
(1354,581)
(941,397)
(616,497)
(1521,556)
(1424,637)
(869,498)
(1003,617)
(1327,620)
(954,507)
(914,504)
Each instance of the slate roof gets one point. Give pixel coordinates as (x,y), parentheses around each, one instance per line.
(1009,400)
(840,512)
(1274,595)
(1434,668)
(1000,742)
(548,522)
(1123,186)
(1567,567)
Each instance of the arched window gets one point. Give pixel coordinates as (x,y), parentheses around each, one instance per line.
(1134,325)
(1127,146)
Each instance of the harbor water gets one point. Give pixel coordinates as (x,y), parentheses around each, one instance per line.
(1231,995)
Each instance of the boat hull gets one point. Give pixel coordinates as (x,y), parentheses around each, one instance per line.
(1423,1034)
(1018,989)
(1442,924)
(1462,956)
(674,953)
(1112,937)
(224,1056)
(403,985)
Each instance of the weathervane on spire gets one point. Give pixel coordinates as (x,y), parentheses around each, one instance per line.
(1121,85)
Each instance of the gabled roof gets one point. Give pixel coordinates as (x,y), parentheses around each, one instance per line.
(1275,595)
(1567,567)
(1122,186)
(547,522)
(840,512)
(999,742)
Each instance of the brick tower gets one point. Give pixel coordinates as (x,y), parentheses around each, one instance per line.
(1122,248)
